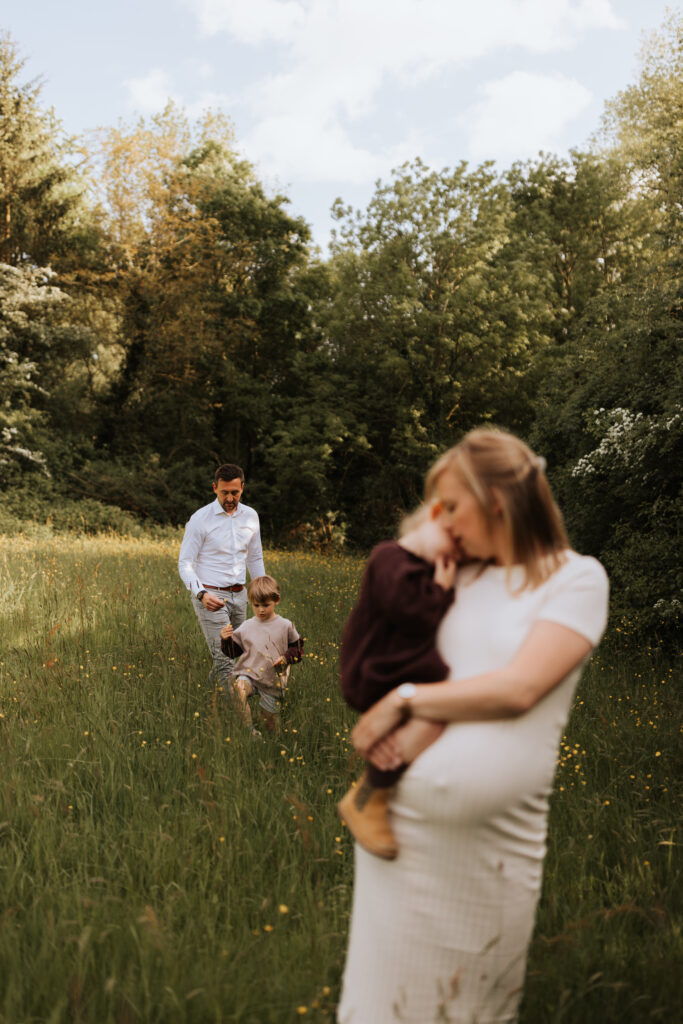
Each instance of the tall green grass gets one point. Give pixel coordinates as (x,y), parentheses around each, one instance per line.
(158,865)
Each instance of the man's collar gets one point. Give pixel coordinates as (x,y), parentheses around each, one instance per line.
(219,510)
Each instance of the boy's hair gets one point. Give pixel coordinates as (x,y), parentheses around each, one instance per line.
(228,471)
(497,468)
(263,589)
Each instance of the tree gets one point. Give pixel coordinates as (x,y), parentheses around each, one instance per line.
(426,332)
(210,315)
(611,413)
(28,301)
(42,191)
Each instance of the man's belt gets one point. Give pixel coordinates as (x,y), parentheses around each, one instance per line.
(234,589)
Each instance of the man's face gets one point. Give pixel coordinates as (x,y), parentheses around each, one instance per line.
(229,493)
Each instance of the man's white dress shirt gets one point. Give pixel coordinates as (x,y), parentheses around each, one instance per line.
(218,549)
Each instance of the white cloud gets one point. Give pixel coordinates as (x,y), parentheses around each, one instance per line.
(404,33)
(331,58)
(253,21)
(292,146)
(204,70)
(209,100)
(521,114)
(316,150)
(151,93)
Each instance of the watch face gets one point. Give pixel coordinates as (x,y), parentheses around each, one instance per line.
(406,691)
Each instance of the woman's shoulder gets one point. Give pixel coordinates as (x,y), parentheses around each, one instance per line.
(580,568)
(577,595)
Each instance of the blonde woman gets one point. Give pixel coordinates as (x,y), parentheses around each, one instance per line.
(441,933)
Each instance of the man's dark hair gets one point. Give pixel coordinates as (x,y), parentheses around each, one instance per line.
(227,472)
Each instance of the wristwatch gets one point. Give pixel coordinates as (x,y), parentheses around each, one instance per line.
(406,692)
(200,594)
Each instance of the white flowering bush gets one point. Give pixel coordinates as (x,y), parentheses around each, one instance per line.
(628,441)
(625,497)
(27,300)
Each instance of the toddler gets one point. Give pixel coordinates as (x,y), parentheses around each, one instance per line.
(266,645)
(389,639)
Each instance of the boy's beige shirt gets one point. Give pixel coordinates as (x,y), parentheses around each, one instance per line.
(263,643)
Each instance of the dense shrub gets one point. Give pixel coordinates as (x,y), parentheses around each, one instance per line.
(23,510)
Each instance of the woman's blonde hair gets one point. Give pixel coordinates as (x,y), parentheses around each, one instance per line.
(500,471)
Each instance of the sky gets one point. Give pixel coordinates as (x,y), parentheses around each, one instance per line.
(327,96)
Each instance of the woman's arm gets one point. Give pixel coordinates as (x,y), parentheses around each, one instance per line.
(548,654)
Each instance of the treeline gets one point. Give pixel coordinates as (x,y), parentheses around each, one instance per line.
(162,313)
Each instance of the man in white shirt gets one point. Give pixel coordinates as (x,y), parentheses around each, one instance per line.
(222,541)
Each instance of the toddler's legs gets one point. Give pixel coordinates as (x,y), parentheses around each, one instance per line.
(365,809)
(380,779)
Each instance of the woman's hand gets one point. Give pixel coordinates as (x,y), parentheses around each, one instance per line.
(381,719)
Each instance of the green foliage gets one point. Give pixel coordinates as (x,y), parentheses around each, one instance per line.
(574,235)
(643,122)
(42,191)
(187,325)
(29,337)
(424,333)
(609,415)
(49,375)
(211,316)
(42,507)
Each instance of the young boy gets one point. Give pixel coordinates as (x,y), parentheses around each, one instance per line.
(389,639)
(266,646)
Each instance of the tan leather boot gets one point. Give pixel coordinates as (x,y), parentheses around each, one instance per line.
(366,813)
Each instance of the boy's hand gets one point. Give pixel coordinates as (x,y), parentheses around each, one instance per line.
(227,631)
(444,571)
(280,661)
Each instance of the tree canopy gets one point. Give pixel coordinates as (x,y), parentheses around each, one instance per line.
(161,312)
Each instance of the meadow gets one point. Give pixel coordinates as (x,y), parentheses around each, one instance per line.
(158,865)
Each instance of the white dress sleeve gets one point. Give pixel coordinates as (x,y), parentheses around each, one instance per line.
(578,597)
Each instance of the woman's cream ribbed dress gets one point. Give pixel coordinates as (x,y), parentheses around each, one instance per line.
(441,933)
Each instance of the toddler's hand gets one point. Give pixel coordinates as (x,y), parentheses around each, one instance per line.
(444,571)
(280,661)
(227,631)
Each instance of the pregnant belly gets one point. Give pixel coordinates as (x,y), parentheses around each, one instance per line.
(478,771)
